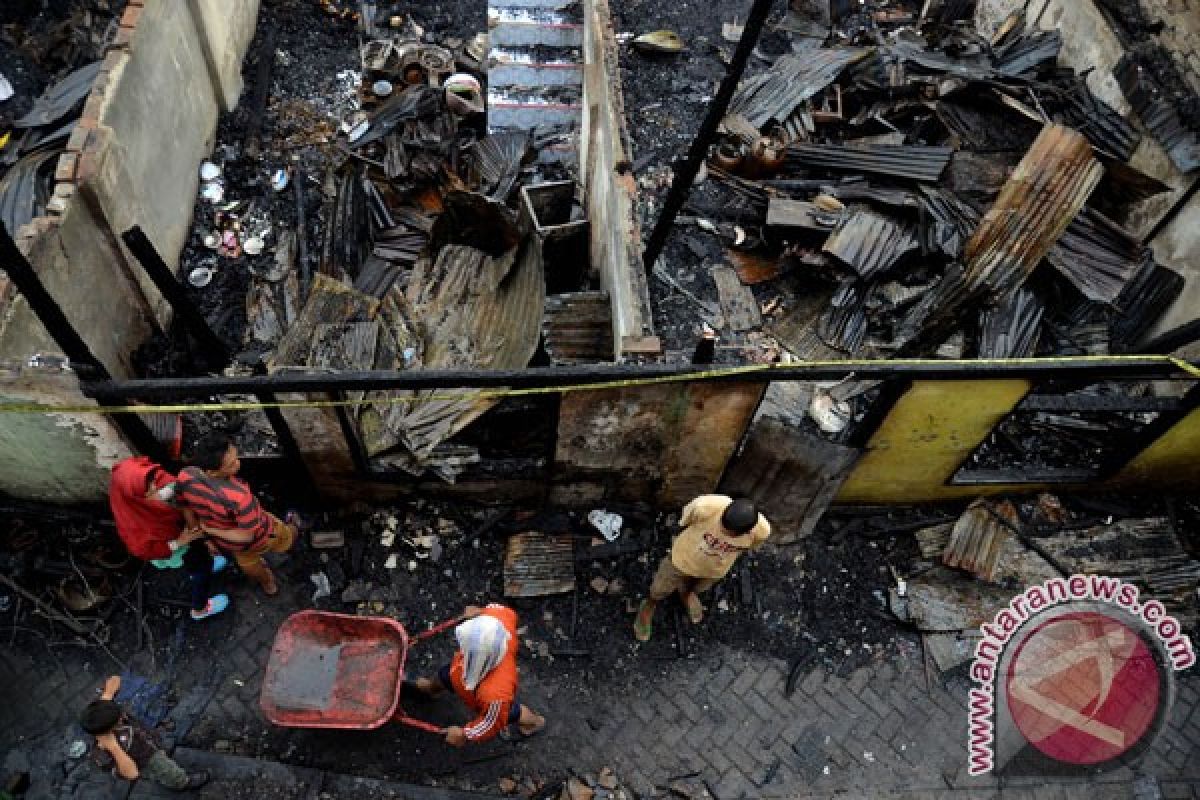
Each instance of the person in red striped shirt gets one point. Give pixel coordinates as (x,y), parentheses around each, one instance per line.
(483,673)
(214,499)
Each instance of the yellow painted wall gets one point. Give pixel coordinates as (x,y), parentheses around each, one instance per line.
(1173,461)
(927,436)
(936,425)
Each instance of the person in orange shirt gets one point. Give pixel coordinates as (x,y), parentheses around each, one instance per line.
(483,673)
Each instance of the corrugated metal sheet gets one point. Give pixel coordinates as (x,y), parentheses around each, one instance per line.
(870,243)
(474,311)
(979,538)
(1146,298)
(1029,52)
(1012,329)
(1159,115)
(577,328)
(1097,255)
(1043,195)
(777,93)
(952,221)
(1107,129)
(536,565)
(913,162)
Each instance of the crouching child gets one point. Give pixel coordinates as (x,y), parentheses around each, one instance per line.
(128,749)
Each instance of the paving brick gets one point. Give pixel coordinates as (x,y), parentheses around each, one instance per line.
(1175,790)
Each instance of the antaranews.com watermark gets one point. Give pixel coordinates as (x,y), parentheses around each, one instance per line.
(1084,672)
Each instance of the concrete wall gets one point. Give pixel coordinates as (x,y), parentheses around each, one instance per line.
(132,159)
(610,188)
(57,458)
(1089,42)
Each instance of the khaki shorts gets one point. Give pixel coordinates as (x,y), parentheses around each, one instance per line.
(668,579)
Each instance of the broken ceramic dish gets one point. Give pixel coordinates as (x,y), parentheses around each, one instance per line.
(201,277)
(209,172)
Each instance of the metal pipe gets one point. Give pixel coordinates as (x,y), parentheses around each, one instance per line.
(560,377)
(173,292)
(686,175)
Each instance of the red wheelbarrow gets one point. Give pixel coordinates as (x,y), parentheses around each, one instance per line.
(340,671)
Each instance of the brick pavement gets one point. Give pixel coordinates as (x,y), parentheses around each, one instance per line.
(720,716)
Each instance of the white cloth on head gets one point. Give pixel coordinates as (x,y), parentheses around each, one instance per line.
(483,641)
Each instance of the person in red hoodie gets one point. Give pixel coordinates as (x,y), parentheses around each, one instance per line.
(483,673)
(152,528)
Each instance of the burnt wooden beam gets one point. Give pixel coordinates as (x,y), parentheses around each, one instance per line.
(173,292)
(685,176)
(257,107)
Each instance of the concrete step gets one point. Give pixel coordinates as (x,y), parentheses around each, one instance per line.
(519,27)
(512,109)
(533,67)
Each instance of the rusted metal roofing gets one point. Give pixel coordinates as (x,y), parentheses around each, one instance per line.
(913,162)
(1038,202)
(1159,115)
(979,537)
(870,243)
(536,564)
(577,328)
(776,94)
(1097,255)
(474,311)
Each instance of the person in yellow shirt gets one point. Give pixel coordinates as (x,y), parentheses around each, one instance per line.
(716,530)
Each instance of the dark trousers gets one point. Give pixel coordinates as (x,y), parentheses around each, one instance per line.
(198,564)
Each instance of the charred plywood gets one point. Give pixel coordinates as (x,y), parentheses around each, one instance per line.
(792,476)
(1038,203)
(705,426)
(536,565)
(659,444)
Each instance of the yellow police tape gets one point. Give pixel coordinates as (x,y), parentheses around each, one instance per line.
(397,396)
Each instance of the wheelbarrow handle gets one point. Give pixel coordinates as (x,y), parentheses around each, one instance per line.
(436,629)
(419,724)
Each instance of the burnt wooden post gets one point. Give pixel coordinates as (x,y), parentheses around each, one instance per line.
(685,176)
(47,310)
(173,292)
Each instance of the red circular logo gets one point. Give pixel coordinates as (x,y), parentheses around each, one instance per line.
(1083,688)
